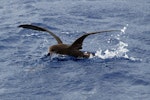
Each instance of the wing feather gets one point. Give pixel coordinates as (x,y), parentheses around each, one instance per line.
(77,44)
(41,29)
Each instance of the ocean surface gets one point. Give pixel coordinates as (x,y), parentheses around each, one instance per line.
(120,69)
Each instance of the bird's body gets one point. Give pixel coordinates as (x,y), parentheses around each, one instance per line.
(65,49)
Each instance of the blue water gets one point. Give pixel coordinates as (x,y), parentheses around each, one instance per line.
(119,71)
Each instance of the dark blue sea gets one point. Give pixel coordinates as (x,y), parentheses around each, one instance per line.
(120,69)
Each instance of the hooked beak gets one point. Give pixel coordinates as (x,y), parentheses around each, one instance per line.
(51,55)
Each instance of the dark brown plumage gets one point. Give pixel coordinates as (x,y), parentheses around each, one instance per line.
(64,49)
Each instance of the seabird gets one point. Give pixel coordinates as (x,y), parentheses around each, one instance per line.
(64,49)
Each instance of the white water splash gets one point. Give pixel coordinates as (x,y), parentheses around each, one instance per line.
(120,50)
(124,29)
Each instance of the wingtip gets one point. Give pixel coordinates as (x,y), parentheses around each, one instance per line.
(19,26)
(23,25)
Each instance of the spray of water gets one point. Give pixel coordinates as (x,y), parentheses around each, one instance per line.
(124,29)
(120,50)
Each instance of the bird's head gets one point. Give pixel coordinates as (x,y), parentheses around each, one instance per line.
(54,49)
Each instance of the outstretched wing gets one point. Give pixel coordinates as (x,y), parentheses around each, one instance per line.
(41,29)
(77,44)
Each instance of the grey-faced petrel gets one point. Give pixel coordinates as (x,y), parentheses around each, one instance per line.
(65,49)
